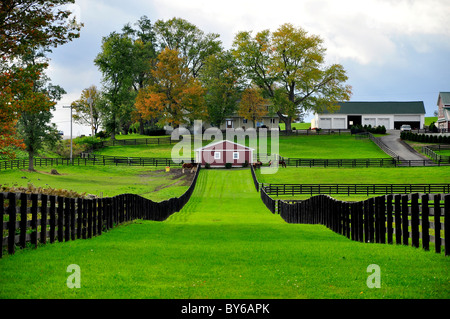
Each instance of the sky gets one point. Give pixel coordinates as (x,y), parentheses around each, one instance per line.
(392,50)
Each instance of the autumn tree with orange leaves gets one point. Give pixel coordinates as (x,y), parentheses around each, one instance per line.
(253,106)
(27,25)
(173,96)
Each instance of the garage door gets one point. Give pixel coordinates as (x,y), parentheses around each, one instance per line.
(325,123)
(384,122)
(370,121)
(339,123)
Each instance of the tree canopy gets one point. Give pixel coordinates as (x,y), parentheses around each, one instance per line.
(289,65)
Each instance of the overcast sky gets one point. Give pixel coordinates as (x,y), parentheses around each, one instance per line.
(393,50)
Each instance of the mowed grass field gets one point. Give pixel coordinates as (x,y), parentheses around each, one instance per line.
(150,182)
(342,146)
(224,244)
(371,175)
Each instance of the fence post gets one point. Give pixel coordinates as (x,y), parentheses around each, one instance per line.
(415,220)
(371,220)
(2,209)
(79,216)
(60,212)
(89,221)
(84,219)
(398,220)
(437,223)
(34,213)
(12,212)
(94,217)
(389,209)
(72,219)
(405,219)
(100,215)
(23,220)
(67,219)
(425,223)
(447,224)
(52,218)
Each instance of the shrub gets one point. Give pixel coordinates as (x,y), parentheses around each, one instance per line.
(207,166)
(228,165)
(245,164)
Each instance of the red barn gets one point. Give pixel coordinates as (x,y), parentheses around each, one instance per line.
(219,153)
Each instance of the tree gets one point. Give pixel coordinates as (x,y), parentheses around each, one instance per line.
(253,106)
(89,108)
(174,95)
(115,63)
(25,25)
(223,81)
(288,65)
(34,125)
(144,57)
(193,45)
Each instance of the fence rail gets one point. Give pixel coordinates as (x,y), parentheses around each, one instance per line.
(376,220)
(431,152)
(91,159)
(39,218)
(353,189)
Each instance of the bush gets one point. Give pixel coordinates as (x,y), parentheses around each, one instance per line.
(228,165)
(101,135)
(245,164)
(207,166)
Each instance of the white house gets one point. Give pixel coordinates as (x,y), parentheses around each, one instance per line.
(391,115)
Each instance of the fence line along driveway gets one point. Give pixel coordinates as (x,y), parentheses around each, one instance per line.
(393,141)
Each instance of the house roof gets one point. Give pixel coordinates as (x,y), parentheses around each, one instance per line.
(222,141)
(445,97)
(355,108)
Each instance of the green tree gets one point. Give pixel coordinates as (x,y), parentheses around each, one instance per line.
(144,57)
(222,79)
(115,63)
(89,108)
(193,45)
(34,125)
(288,65)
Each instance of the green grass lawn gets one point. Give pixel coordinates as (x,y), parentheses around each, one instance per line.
(149,182)
(329,175)
(224,244)
(297,146)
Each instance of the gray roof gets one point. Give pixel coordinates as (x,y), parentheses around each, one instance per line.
(356,108)
(445,97)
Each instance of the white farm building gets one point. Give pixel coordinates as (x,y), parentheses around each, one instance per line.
(391,115)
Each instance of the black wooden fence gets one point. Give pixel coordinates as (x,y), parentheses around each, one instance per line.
(94,160)
(376,220)
(430,151)
(32,219)
(353,189)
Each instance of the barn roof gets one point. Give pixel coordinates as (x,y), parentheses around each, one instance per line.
(222,141)
(356,108)
(444,97)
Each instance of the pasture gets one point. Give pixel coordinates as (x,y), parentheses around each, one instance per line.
(342,146)
(223,244)
(104,181)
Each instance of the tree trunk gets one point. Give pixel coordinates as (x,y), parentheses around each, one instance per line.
(287,121)
(31,160)
(141,126)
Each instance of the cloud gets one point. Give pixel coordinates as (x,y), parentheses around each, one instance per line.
(375,40)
